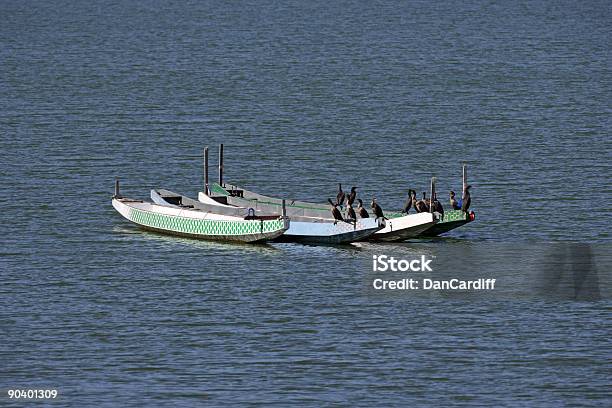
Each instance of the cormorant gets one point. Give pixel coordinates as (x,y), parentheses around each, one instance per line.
(409,201)
(335,211)
(421,205)
(350,212)
(350,199)
(363,213)
(378,212)
(454,204)
(467,200)
(437,206)
(340,196)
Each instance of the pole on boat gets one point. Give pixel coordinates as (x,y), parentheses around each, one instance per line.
(221,164)
(464,175)
(206,191)
(432,193)
(284,207)
(116,189)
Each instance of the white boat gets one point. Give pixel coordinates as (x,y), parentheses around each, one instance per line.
(202,223)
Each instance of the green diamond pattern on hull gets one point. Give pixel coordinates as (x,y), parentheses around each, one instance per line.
(454,215)
(201,226)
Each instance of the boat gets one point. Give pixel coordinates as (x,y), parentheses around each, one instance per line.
(199,221)
(398,227)
(311,227)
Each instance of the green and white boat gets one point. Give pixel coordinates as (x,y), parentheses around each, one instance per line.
(202,222)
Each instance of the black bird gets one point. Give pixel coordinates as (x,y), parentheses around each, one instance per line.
(437,206)
(378,212)
(363,213)
(351,197)
(350,212)
(421,205)
(467,200)
(340,196)
(414,199)
(454,204)
(335,211)
(409,201)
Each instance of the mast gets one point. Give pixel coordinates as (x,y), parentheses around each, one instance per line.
(206,190)
(432,193)
(464,175)
(221,164)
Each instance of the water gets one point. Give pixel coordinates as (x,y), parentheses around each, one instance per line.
(378,95)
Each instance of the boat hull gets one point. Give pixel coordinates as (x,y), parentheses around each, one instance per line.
(325,233)
(198,224)
(451,220)
(405,227)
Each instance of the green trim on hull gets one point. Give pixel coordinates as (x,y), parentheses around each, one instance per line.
(452,219)
(212,228)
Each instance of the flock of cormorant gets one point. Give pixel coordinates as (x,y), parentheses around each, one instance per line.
(419,206)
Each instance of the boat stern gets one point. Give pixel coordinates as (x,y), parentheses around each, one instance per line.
(449,221)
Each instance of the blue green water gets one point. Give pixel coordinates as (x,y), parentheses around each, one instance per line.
(304,95)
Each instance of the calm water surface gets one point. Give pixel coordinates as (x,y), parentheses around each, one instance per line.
(380,95)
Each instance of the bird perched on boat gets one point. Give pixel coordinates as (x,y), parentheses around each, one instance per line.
(350,199)
(378,212)
(350,212)
(454,204)
(363,213)
(467,199)
(335,211)
(410,201)
(421,205)
(437,206)
(340,197)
